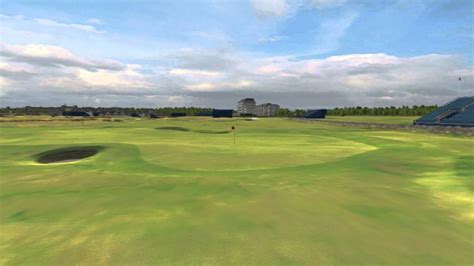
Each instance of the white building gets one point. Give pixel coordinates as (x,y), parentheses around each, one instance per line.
(246,106)
(267,109)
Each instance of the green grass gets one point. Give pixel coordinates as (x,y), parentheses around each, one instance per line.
(286,193)
(402,120)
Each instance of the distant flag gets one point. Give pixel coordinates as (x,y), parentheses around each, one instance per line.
(459,78)
(233,130)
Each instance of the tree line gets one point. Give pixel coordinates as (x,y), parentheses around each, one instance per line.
(405,110)
(414,110)
(40,110)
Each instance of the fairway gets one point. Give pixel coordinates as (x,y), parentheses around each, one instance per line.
(179,191)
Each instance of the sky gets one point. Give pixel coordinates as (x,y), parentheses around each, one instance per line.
(212,53)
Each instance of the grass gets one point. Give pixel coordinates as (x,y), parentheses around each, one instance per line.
(401,120)
(286,193)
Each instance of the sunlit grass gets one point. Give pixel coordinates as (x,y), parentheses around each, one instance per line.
(285,193)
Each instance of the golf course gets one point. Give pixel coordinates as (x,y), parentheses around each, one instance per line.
(181,192)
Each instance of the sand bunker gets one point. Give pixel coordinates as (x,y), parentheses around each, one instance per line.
(67,154)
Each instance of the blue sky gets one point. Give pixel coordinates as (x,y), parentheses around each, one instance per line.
(298,53)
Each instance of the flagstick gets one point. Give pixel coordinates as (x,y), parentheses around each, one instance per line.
(233,130)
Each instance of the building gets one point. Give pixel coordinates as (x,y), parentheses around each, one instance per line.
(317,113)
(204,113)
(216,113)
(459,112)
(267,109)
(246,106)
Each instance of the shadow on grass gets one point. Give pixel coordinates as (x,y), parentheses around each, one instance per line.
(201,131)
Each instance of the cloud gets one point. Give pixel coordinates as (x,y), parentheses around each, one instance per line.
(175,98)
(270,8)
(95,21)
(344,80)
(282,8)
(16,71)
(323,4)
(217,60)
(53,23)
(273,38)
(9,17)
(332,31)
(219,86)
(82,27)
(53,56)
(193,73)
(129,78)
(35,74)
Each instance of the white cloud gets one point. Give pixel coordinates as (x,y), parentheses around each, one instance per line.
(53,56)
(268,69)
(54,23)
(44,69)
(193,73)
(82,27)
(363,59)
(176,99)
(4,85)
(345,80)
(270,8)
(16,69)
(127,78)
(220,85)
(95,21)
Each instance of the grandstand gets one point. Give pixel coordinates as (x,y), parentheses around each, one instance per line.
(318,113)
(217,113)
(459,112)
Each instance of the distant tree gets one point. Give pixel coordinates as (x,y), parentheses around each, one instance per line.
(381,111)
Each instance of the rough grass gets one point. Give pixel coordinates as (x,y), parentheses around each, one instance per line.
(402,120)
(286,193)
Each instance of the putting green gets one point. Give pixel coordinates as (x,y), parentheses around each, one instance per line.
(251,152)
(286,192)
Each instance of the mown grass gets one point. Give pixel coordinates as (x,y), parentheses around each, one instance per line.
(286,193)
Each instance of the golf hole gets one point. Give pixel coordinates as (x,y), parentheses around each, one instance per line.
(67,154)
